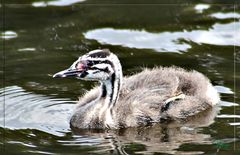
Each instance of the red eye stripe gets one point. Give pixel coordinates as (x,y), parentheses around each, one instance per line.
(80,66)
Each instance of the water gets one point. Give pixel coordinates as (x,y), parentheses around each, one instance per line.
(41,38)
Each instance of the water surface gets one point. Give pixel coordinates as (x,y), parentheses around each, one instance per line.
(40,38)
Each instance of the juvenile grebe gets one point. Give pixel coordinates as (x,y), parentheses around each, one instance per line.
(152,96)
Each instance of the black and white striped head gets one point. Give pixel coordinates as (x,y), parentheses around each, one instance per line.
(96,65)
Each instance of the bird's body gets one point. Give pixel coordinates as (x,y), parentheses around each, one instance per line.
(152,96)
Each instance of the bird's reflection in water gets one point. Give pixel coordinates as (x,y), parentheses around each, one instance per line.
(164,138)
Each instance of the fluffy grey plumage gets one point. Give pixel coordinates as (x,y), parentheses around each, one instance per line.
(152,96)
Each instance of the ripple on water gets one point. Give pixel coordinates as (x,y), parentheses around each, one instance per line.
(56,3)
(235,124)
(28,110)
(27,49)
(224,90)
(81,140)
(219,34)
(228,116)
(234,118)
(228,104)
(221,15)
(201,7)
(8,35)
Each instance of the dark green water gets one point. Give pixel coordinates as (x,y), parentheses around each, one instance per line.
(39,38)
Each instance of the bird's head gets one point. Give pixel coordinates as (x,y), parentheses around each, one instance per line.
(97,65)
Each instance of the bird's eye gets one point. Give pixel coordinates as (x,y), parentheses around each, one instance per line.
(90,63)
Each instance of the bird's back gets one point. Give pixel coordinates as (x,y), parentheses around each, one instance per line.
(143,96)
(167,80)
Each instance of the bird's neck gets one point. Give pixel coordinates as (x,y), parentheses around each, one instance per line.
(110,89)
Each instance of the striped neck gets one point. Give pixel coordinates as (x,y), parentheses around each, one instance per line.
(111,88)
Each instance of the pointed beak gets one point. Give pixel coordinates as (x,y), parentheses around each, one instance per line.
(67,73)
(75,70)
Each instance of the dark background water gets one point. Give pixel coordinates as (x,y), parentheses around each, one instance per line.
(39,38)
